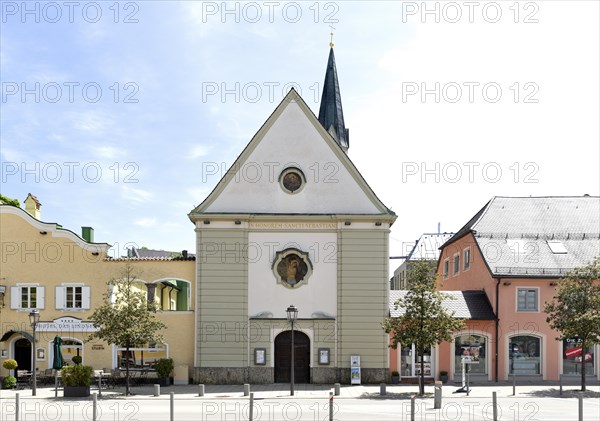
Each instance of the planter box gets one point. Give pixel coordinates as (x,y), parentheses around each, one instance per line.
(76,391)
(164,382)
(395,379)
(444,379)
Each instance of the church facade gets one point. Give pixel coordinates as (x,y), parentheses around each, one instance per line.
(292,222)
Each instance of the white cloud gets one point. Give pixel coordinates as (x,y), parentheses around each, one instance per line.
(198,151)
(136,195)
(107,152)
(92,121)
(145,222)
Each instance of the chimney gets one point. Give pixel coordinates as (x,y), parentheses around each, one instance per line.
(87,233)
(32,206)
(184,253)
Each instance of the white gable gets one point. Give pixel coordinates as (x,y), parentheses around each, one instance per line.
(293,137)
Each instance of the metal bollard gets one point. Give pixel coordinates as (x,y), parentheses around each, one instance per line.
(336,389)
(17,406)
(251,409)
(200,390)
(412,408)
(514,385)
(246,389)
(100,385)
(580,407)
(172,406)
(560,384)
(330,406)
(382,391)
(94,407)
(495,406)
(156,390)
(437,398)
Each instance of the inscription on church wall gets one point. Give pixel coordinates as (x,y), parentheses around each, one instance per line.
(293,225)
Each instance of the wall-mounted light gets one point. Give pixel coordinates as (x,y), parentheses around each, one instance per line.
(553,284)
(95,253)
(43,232)
(506,283)
(238,222)
(377,224)
(347,223)
(206,222)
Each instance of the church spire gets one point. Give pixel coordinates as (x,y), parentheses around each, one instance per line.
(331,115)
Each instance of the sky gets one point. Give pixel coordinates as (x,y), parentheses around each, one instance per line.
(124,115)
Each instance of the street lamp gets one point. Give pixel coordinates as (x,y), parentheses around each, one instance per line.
(34,319)
(292,314)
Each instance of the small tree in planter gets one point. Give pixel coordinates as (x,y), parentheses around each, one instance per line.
(10,381)
(444,376)
(164,367)
(77,380)
(395,377)
(77,360)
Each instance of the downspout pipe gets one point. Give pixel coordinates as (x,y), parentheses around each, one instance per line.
(497,328)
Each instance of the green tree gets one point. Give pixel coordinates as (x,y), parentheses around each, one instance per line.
(424,321)
(8,201)
(575,308)
(126,318)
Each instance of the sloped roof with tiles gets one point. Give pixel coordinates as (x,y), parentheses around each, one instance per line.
(471,305)
(536,236)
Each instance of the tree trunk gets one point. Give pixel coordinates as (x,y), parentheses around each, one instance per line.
(583,369)
(127,371)
(422,374)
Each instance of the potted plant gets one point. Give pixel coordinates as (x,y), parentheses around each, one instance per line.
(164,367)
(444,376)
(10,381)
(395,377)
(77,380)
(77,359)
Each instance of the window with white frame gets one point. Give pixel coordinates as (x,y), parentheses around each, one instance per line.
(143,357)
(72,297)
(27,296)
(467,258)
(446,268)
(527,299)
(456,263)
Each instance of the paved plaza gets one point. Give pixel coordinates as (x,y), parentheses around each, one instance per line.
(310,402)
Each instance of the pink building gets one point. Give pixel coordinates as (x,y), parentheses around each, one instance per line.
(514,250)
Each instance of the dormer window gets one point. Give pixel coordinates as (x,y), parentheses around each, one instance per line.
(557,247)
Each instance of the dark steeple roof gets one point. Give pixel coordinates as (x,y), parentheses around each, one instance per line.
(331,115)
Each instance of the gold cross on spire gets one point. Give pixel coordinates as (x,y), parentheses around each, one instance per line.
(331,33)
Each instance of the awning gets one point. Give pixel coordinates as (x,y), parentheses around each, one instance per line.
(9,333)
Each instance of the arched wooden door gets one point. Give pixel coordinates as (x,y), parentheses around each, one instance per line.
(283,351)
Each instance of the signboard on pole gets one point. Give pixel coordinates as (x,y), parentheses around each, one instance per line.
(355,369)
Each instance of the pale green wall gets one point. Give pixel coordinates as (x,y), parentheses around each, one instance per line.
(362,297)
(222,298)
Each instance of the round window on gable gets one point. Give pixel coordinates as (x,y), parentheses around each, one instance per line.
(292,180)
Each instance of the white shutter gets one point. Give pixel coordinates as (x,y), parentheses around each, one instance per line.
(85,298)
(15,297)
(59,298)
(40,297)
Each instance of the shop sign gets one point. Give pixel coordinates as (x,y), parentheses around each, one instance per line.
(588,357)
(570,353)
(66,324)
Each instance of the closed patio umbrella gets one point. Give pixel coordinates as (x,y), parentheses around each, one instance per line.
(57,361)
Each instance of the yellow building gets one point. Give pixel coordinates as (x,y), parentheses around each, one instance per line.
(65,276)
